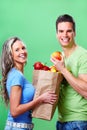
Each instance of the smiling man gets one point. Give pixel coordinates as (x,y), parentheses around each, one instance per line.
(72,104)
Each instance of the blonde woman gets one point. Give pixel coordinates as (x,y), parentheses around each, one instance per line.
(16,89)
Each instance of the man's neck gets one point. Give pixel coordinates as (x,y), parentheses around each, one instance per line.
(69,50)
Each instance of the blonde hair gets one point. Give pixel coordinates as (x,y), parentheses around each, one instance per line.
(6,64)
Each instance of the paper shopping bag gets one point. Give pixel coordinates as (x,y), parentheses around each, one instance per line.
(44,81)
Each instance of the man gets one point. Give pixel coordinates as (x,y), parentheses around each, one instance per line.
(72,104)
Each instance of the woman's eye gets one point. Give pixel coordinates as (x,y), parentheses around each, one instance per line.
(16,49)
(23,48)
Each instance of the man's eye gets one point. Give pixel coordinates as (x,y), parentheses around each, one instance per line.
(60,31)
(69,31)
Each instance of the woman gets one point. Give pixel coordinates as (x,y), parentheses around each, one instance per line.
(16,89)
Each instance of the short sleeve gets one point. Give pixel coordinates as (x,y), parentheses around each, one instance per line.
(15,78)
(83,64)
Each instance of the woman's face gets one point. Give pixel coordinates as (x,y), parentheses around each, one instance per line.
(19,53)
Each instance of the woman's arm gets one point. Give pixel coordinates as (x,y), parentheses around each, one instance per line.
(16,108)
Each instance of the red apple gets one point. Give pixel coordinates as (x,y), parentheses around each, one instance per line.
(57,55)
(38,66)
(46,68)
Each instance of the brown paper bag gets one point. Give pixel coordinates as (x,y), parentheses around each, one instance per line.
(44,81)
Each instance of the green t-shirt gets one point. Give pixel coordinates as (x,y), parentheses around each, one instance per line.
(71,105)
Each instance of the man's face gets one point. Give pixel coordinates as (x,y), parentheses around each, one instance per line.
(65,34)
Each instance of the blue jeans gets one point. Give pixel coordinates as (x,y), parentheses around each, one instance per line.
(72,125)
(14,128)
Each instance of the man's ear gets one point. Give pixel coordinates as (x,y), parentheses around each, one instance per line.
(56,35)
(74,34)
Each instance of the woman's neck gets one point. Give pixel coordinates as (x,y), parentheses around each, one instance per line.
(20,68)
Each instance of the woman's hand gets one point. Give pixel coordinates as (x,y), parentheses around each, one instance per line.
(49,97)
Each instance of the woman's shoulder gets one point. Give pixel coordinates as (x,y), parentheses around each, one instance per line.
(15,77)
(14,73)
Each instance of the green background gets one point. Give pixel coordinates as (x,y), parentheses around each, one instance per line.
(34,22)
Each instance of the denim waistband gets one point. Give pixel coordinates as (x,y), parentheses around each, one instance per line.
(20,125)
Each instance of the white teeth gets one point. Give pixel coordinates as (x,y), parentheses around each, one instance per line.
(65,39)
(22,56)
